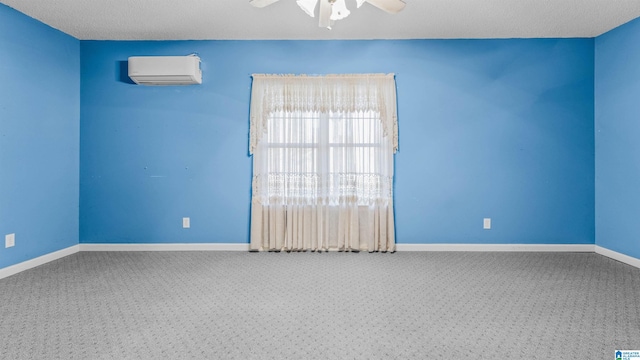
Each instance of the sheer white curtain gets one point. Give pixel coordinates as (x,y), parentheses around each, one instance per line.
(323,162)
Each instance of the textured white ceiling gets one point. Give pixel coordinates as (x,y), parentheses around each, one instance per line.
(236,19)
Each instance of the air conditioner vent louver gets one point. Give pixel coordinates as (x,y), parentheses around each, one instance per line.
(165,70)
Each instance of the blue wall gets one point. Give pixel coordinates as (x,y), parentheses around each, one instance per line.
(488,128)
(39,137)
(617,125)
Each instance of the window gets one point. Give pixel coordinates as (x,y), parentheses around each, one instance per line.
(323,171)
(321,157)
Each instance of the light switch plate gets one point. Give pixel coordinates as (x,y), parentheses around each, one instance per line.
(9,240)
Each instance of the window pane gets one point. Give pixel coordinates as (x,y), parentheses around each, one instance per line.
(334,155)
(292,128)
(354,128)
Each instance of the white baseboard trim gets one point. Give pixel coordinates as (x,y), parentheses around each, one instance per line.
(497,247)
(40,260)
(399,247)
(629,260)
(165,247)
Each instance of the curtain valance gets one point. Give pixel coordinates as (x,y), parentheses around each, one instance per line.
(336,93)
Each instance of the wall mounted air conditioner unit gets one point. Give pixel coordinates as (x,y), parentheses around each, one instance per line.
(165,70)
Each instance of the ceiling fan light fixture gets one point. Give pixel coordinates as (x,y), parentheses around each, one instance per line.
(308,6)
(331,11)
(339,10)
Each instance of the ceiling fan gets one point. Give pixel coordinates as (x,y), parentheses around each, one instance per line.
(332,10)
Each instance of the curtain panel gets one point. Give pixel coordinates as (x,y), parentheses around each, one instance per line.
(323,151)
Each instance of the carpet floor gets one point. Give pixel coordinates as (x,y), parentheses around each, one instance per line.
(237,305)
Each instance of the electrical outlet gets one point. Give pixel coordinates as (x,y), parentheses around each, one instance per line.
(9,240)
(486,223)
(186,222)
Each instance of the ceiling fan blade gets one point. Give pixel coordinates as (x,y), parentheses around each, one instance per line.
(261,3)
(325,14)
(308,6)
(390,6)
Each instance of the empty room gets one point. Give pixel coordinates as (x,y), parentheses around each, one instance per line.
(319,179)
